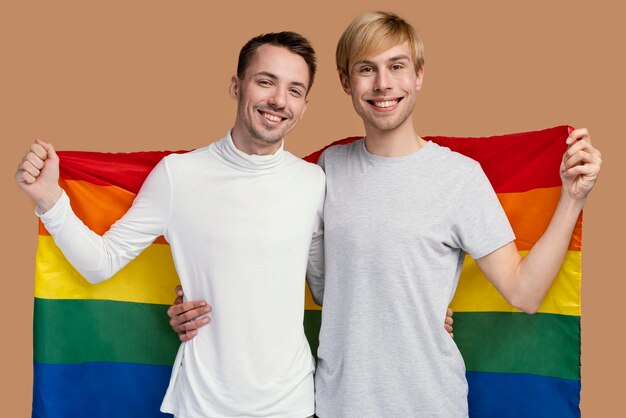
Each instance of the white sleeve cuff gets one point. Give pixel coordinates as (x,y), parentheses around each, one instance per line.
(55,211)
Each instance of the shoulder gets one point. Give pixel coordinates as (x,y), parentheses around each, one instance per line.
(445,159)
(304,167)
(309,178)
(339,151)
(342,148)
(451,171)
(181,159)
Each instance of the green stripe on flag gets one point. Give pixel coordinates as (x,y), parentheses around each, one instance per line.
(76,331)
(70,331)
(505,342)
(312,323)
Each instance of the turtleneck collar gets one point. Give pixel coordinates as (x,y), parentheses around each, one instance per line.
(227,152)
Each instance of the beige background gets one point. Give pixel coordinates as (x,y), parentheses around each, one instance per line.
(137,75)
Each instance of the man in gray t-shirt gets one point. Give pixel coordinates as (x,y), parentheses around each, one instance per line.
(400,215)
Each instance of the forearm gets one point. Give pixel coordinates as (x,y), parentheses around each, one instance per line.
(536,271)
(95,257)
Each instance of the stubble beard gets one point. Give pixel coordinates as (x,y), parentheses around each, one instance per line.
(266,135)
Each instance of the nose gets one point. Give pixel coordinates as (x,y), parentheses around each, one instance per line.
(382,81)
(278,98)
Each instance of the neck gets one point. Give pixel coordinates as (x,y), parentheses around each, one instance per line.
(397,142)
(250,146)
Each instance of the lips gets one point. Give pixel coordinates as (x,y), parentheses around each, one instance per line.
(272,116)
(384,104)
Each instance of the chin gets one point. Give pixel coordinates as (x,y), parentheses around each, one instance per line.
(269,140)
(265,136)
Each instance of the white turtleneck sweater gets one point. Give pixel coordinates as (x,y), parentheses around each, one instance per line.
(240,229)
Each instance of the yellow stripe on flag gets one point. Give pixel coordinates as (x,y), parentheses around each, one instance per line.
(476,294)
(150,278)
(308,301)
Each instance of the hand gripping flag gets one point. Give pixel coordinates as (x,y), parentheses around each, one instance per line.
(106,350)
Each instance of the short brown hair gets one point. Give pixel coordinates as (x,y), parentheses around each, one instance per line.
(374,32)
(292,41)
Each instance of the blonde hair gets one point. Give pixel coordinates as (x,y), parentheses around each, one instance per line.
(372,33)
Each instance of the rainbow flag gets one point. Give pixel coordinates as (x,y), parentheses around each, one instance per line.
(106,350)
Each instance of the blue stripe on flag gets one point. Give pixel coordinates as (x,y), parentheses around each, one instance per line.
(522,395)
(121,390)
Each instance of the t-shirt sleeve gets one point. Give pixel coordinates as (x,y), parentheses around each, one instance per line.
(96,257)
(480,224)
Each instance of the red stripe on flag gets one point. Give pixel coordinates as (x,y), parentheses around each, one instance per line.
(125,170)
(513,163)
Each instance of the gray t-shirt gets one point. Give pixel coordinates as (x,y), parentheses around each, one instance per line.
(396,233)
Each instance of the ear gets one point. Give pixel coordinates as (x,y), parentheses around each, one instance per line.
(233,90)
(420,79)
(345,83)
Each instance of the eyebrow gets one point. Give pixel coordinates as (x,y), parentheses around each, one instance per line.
(392,59)
(275,77)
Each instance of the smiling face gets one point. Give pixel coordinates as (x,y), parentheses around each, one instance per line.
(271,99)
(383,88)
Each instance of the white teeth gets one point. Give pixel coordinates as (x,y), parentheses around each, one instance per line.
(387,103)
(273,118)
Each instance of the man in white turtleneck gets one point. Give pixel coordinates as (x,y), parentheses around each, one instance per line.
(242,216)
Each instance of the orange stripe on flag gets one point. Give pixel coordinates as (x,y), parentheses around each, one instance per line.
(530,213)
(97,206)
